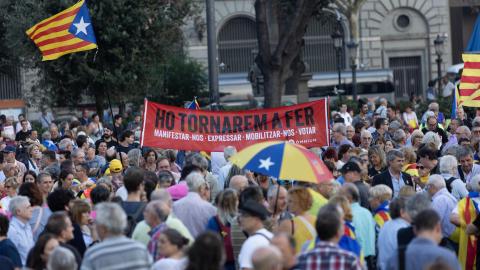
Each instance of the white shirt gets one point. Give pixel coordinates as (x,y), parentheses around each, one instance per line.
(5,202)
(170,264)
(21,235)
(475,170)
(347,118)
(223,174)
(255,241)
(122,193)
(448,89)
(459,189)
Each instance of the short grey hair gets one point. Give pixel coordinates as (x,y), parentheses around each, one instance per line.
(380,191)
(437,181)
(76,152)
(433,106)
(46,135)
(64,143)
(195,181)
(134,156)
(16,203)
(474,183)
(394,153)
(161,195)
(448,164)
(432,138)
(466,130)
(197,160)
(351,191)
(395,125)
(399,135)
(43,175)
(158,208)
(340,128)
(62,258)
(365,132)
(464,151)
(416,204)
(229,151)
(112,217)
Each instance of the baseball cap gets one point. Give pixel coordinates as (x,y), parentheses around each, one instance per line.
(351,167)
(255,209)
(9,149)
(115,166)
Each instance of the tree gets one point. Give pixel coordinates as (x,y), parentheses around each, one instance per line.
(182,79)
(351,8)
(133,37)
(281,26)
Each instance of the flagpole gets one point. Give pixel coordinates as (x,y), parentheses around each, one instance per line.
(113,119)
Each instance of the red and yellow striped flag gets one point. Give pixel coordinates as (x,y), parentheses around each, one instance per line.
(66,32)
(468,93)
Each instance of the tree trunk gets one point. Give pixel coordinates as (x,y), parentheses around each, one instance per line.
(273,82)
(100,104)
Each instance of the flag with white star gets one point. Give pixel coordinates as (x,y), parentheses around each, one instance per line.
(66,32)
(282,160)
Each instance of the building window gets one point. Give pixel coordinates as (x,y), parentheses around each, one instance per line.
(319,52)
(10,83)
(237,45)
(403,21)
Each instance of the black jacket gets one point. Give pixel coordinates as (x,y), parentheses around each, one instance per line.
(386,179)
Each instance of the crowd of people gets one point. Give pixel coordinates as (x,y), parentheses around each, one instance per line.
(85,195)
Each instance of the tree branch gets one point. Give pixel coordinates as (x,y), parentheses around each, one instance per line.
(263,35)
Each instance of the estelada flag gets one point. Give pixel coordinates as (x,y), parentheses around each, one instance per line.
(66,32)
(468,93)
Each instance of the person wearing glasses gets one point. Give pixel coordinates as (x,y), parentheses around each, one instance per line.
(365,139)
(11,185)
(381,130)
(432,125)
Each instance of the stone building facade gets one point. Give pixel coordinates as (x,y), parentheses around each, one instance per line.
(394,34)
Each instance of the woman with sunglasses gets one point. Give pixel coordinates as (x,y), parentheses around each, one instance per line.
(11,185)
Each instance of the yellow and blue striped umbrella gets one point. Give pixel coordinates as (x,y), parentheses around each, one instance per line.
(283,160)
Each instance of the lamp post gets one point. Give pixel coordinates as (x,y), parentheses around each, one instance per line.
(439,49)
(352,49)
(338,45)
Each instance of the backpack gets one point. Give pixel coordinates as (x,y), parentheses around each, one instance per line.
(132,220)
(448,183)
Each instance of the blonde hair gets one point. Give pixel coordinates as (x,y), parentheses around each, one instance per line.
(13,181)
(410,155)
(344,203)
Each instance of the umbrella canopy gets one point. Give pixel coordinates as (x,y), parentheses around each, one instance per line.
(283,160)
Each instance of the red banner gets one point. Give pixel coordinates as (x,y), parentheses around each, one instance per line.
(173,127)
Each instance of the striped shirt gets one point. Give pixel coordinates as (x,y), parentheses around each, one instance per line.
(117,253)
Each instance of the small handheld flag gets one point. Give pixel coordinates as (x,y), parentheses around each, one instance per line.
(194,105)
(66,32)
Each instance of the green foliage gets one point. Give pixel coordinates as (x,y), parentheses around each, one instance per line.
(182,79)
(445,106)
(134,38)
